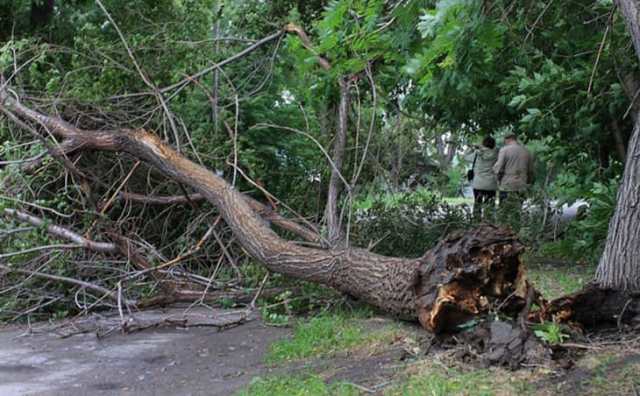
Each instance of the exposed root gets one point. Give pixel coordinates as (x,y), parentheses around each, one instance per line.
(592,308)
(469,274)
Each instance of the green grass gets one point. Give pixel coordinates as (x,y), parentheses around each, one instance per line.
(439,381)
(608,371)
(458,201)
(325,335)
(554,281)
(311,385)
(443,384)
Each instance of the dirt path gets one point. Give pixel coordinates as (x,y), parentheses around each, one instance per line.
(165,361)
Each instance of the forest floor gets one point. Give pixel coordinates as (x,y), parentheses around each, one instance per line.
(338,352)
(394,358)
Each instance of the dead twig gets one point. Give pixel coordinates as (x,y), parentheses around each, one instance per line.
(65,279)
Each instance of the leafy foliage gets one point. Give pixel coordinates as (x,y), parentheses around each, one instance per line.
(551,333)
(405,224)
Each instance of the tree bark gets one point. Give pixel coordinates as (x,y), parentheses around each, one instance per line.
(41,12)
(334,226)
(464,275)
(446,151)
(618,139)
(619,266)
(631,88)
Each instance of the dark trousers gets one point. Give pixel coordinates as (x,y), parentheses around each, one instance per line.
(484,202)
(510,205)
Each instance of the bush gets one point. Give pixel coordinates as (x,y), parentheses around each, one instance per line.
(407,223)
(585,237)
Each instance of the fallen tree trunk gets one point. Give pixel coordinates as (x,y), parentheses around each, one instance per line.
(464,275)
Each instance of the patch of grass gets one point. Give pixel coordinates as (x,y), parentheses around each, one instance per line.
(556,280)
(297,386)
(611,372)
(458,201)
(430,379)
(628,377)
(439,382)
(326,334)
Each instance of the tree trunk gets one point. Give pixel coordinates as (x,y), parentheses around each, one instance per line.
(446,151)
(334,226)
(463,276)
(618,140)
(41,12)
(631,86)
(619,266)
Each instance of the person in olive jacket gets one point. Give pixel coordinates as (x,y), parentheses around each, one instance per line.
(484,183)
(514,170)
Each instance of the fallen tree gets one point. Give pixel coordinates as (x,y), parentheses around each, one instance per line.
(464,275)
(467,274)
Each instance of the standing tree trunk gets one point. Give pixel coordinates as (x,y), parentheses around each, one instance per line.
(618,139)
(630,85)
(446,151)
(334,226)
(619,266)
(41,12)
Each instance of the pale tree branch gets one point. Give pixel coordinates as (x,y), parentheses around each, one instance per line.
(61,232)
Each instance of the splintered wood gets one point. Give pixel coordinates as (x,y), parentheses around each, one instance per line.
(468,274)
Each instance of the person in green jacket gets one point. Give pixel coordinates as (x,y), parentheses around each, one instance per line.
(484,183)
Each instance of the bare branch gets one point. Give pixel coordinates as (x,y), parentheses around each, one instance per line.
(65,279)
(62,232)
(293,28)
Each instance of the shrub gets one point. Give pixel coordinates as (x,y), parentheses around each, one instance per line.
(406,223)
(585,237)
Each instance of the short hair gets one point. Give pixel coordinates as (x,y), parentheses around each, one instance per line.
(511,136)
(489,142)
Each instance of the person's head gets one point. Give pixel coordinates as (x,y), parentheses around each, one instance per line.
(511,138)
(489,142)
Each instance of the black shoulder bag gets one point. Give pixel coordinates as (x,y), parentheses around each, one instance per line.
(470,172)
